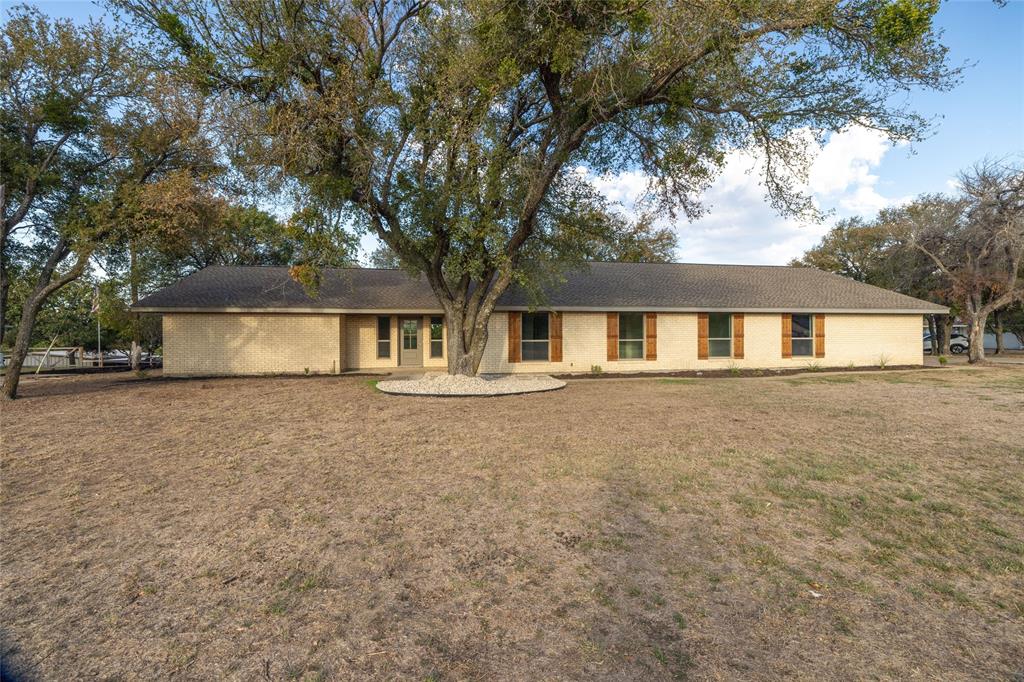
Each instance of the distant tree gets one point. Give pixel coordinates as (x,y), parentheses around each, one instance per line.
(855,248)
(1010,319)
(454,129)
(383,257)
(976,240)
(638,242)
(875,252)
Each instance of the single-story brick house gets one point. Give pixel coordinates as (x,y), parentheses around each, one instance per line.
(621,317)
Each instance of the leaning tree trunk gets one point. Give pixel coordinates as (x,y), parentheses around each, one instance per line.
(976,337)
(44,288)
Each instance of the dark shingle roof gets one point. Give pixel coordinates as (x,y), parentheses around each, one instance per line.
(601,286)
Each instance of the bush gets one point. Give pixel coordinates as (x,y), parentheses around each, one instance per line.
(595,369)
(943,359)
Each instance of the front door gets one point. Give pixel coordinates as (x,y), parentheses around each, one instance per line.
(412,352)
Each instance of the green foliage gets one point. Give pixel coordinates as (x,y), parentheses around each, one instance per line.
(466,135)
(903,22)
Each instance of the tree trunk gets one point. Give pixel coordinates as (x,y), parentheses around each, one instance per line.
(44,288)
(5,288)
(933,327)
(998,326)
(466,342)
(943,327)
(976,337)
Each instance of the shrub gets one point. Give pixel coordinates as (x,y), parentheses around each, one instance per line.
(595,369)
(883,361)
(943,359)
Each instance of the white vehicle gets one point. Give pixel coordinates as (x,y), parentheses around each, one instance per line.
(958,344)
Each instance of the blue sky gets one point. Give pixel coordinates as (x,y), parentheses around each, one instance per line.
(856,172)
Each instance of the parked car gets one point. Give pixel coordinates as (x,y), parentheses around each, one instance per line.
(958,344)
(122,358)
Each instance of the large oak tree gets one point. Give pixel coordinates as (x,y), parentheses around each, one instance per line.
(455,130)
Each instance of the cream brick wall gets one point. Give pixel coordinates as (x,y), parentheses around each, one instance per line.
(227,343)
(232,343)
(858,339)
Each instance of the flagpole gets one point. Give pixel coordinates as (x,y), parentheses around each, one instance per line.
(96,309)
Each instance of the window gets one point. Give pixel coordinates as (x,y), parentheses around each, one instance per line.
(384,337)
(719,335)
(631,336)
(436,337)
(535,336)
(410,334)
(803,339)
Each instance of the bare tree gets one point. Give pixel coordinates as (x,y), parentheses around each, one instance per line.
(976,240)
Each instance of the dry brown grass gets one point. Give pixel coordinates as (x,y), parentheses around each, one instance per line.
(815,527)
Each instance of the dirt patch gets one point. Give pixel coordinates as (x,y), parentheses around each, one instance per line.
(838,527)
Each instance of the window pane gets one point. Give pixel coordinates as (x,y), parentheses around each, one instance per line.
(535,350)
(383,349)
(719,325)
(631,350)
(801,326)
(409,334)
(631,326)
(719,348)
(436,348)
(535,327)
(383,328)
(803,347)
(436,327)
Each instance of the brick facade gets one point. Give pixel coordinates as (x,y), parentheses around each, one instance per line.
(236,343)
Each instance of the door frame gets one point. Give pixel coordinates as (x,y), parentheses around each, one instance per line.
(402,319)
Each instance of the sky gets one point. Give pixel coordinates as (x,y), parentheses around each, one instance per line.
(856,172)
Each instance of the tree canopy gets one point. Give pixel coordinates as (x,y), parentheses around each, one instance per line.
(456,130)
(89,135)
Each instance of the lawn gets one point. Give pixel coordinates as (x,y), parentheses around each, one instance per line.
(818,527)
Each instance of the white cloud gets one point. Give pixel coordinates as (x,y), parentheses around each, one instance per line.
(741,227)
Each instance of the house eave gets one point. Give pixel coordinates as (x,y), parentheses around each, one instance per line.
(567,309)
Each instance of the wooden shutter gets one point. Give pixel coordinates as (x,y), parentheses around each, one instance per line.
(787,335)
(515,337)
(555,336)
(737,335)
(613,336)
(702,336)
(819,336)
(652,336)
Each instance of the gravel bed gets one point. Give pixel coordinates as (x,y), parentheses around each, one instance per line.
(485,385)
